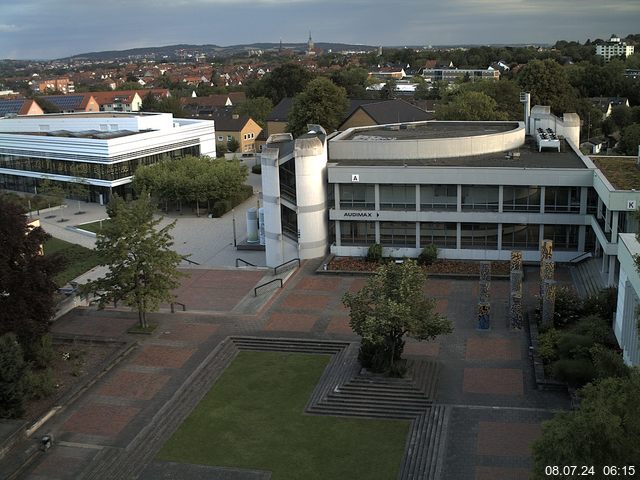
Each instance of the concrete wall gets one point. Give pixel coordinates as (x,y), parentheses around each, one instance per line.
(626,324)
(102,121)
(274,246)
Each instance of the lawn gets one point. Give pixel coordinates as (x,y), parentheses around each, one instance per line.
(78,259)
(253,418)
(93,226)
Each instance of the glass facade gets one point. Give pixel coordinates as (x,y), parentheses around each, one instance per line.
(521,199)
(289,222)
(287,173)
(480,197)
(565,237)
(562,199)
(398,234)
(438,197)
(357,196)
(357,233)
(483,236)
(397,197)
(442,235)
(520,236)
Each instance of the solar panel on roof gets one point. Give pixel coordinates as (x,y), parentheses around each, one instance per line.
(66,102)
(10,106)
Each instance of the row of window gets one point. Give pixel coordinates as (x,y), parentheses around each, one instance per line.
(444,235)
(97,171)
(474,197)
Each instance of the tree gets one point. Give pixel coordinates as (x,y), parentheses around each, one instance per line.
(26,278)
(143,270)
(284,81)
(390,306)
(505,93)
(257,108)
(470,106)
(233,145)
(53,190)
(603,431)
(353,80)
(548,84)
(630,140)
(12,374)
(322,102)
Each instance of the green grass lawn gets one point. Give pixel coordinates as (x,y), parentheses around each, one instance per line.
(78,259)
(253,418)
(93,226)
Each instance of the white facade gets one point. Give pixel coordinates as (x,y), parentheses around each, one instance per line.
(614,48)
(626,322)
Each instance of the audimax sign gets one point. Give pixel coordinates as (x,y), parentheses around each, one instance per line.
(361,214)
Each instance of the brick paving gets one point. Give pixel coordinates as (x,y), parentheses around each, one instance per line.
(485,380)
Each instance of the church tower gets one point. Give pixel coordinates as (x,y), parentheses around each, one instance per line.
(310,46)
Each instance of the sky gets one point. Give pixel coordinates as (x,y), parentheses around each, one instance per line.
(46,29)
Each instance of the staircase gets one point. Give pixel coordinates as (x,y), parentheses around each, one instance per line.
(587,277)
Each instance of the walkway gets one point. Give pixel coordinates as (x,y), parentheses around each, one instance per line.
(486,383)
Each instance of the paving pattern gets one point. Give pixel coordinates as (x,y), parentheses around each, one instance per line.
(478,423)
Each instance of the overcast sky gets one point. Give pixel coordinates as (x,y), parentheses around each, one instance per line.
(43,29)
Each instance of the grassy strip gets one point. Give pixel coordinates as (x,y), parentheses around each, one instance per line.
(78,259)
(94,227)
(253,418)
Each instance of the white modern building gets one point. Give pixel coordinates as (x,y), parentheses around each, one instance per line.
(625,326)
(101,149)
(614,47)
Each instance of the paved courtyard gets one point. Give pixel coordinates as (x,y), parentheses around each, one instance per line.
(486,377)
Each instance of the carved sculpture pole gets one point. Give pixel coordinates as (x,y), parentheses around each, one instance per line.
(484,306)
(549,302)
(515,297)
(547,284)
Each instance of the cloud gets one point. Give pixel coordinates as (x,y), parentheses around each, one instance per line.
(4,28)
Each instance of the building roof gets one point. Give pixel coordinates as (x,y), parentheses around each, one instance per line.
(226,122)
(280,112)
(69,102)
(622,172)
(529,157)
(18,106)
(431,130)
(395,111)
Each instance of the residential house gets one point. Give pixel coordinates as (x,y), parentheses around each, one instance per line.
(19,106)
(606,104)
(382,112)
(64,85)
(244,129)
(81,102)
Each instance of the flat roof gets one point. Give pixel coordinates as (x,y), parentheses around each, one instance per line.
(430,130)
(622,172)
(88,115)
(93,134)
(529,158)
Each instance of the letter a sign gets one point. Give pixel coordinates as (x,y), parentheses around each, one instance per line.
(355,177)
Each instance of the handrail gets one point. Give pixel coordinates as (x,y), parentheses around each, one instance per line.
(190,261)
(275,269)
(173,310)
(581,257)
(245,262)
(255,290)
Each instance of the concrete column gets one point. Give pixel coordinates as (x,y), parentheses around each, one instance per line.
(336,196)
(417,198)
(603,267)
(607,221)
(499,236)
(458,235)
(582,237)
(377,232)
(376,191)
(599,210)
(543,191)
(540,236)
(614,226)
(274,242)
(500,202)
(584,192)
(459,206)
(417,234)
(338,233)
(611,277)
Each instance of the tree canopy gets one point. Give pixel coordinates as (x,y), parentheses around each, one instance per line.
(322,102)
(257,108)
(143,269)
(603,431)
(284,81)
(26,278)
(467,105)
(391,305)
(630,140)
(548,83)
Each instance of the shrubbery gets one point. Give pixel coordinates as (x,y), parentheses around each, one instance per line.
(428,255)
(257,169)
(374,254)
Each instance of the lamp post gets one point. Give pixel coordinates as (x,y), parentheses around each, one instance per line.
(233,219)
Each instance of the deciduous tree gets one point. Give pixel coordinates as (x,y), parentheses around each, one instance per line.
(12,377)
(391,305)
(322,103)
(470,106)
(143,269)
(256,108)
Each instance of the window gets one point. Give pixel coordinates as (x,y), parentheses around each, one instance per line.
(565,237)
(438,197)
(562,199)
(521,199)
(398,197)
(229,138)
(357,196)
(479,236)
(357,233)
(480,197)
(520,236)
(439,234)
(220,138)
(398,234)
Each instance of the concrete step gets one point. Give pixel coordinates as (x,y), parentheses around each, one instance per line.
(391,403)
(341,410)
(358,391)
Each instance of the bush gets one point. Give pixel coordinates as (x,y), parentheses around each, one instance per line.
(374,254)
(608,363)
(548,345)
(603,304)
(596,328)
(568,308)
(39,384)
(12,372)
(41,352)
(428,255)
(220,207)
(576,372)
(571,345)
(257,169)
